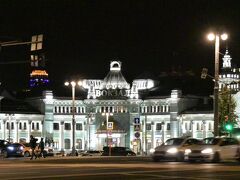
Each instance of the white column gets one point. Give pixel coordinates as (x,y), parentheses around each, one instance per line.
(192,124)
(4,129)
(163,132)
(29,129)
(62,135)
(153,132)
(16,131)
(204,128)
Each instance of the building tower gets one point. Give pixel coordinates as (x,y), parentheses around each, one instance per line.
(38,75)
(229,76)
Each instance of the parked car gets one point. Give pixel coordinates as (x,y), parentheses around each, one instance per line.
(27,151)
(173,149)
(91,153)
(8,149)
(118,151)
(215,149)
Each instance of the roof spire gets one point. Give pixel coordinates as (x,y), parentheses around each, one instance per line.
(226,60)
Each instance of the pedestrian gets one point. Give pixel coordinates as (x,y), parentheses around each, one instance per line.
(33,144)
(41,147)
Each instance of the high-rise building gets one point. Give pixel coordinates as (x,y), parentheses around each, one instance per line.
(38,75)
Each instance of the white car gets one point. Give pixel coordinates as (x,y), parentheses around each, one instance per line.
(214,150)
(173,148)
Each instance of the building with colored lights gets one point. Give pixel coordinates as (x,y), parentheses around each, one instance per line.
(136,119)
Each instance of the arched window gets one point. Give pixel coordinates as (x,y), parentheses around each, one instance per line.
(67,143)
(37,126)
(24,125)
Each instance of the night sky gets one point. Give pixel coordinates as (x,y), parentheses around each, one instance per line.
(82,37)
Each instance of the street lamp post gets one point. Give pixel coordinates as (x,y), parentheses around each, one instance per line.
(211,37)
(73,84)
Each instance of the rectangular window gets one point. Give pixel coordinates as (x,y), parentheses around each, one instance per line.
(7,125)
(33,127)
(168,126)
(20,125)
(159,126)
(148,127)
(12,125)
(67,126)
(55,126)
(79,126)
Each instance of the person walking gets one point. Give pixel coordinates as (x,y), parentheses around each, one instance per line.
(33,144)
(41,147)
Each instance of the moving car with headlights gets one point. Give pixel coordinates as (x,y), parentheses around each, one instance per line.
(173,149)
(215,149)
(8,149)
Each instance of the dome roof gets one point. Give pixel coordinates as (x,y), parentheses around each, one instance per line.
(115,79)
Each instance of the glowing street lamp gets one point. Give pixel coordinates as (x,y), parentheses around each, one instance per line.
(216,37)
(73,84)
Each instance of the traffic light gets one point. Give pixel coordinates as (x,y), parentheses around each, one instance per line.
(229,127)
(226,118)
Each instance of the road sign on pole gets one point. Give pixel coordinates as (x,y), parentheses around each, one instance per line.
(110,126)
(137,120)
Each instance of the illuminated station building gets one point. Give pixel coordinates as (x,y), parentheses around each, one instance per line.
(135,120)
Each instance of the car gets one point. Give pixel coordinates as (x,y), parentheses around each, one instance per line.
(27,151)
(117,151)
(173,149)
(8,149)
(215,149)
(91,153)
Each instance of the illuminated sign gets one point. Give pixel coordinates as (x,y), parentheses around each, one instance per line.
(39,73)
(112,92)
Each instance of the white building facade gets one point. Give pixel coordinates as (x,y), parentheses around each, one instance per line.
(135,122)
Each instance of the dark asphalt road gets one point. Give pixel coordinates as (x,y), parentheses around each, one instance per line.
(114,168)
